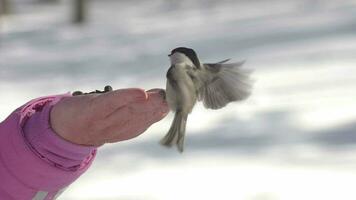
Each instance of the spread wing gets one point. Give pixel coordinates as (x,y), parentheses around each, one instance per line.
(226,82)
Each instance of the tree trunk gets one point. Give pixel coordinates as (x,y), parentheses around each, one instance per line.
(4,7)
(48,1)
(79,11)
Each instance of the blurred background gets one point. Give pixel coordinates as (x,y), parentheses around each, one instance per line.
(293,139)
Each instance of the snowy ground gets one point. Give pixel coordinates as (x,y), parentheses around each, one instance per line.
(293,139)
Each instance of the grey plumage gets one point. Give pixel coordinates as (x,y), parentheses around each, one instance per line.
(176,133)
(215,84)
(229,83)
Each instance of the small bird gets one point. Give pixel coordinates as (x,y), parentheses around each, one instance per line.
(189,81)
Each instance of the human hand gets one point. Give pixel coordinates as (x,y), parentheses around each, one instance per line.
(96,119)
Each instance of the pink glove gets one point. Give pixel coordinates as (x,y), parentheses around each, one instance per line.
(96,119)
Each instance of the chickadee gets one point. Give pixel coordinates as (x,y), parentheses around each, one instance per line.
(189,81)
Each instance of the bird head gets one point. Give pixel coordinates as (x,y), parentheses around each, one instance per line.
(184,55)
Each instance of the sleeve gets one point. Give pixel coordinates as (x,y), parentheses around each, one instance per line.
(34,160)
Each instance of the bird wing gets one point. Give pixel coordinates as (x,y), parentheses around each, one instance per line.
(223,83)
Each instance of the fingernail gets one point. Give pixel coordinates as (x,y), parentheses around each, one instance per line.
(151,90)
(163,94)
(141,95)
(141,98)
(154,90)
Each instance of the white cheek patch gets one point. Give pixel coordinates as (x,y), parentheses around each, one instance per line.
(180,58)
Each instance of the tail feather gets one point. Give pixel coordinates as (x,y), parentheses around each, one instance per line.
(181,133)
(176,133)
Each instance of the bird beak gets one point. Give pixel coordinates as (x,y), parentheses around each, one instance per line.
(169,55)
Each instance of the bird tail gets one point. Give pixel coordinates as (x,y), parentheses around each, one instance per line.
(176,133)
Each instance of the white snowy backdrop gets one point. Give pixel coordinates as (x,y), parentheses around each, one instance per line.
(295,138)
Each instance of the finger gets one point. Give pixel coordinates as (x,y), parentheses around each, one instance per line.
(124,129)
(134,126)
(108,102)
(127,120)
(127,124)
(128,135)
(160,91)
(155,101)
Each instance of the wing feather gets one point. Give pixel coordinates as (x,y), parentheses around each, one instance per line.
(227,82)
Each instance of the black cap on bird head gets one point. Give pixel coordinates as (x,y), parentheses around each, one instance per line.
(190,53)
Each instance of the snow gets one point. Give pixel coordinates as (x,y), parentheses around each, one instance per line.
(293,139)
